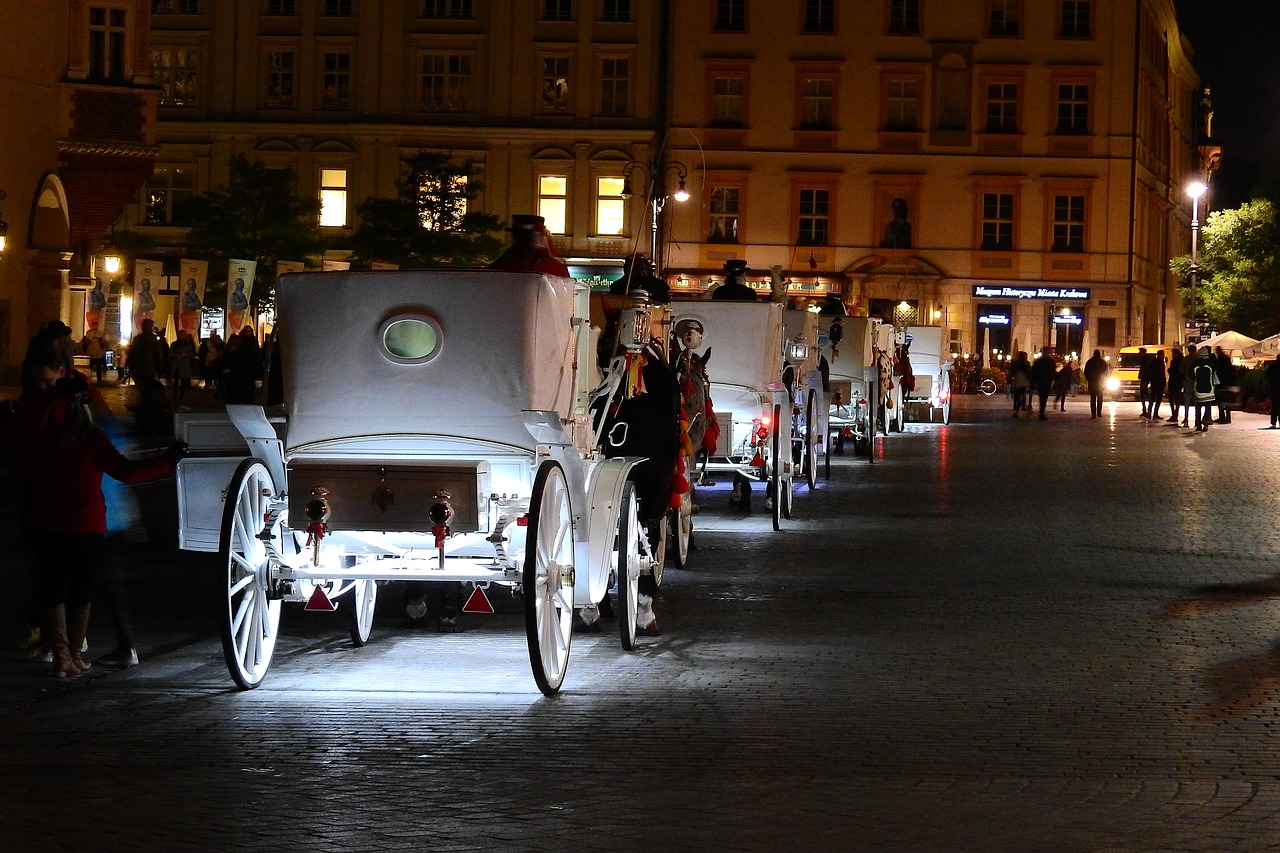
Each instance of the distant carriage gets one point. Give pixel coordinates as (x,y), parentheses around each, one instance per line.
(931,366)
(436,427)
(859,351)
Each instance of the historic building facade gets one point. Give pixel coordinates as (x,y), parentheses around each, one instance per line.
(79,142)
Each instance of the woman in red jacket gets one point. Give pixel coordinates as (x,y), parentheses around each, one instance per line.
(61,458)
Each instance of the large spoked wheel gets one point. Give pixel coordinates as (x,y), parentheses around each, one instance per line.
(811,440)
(627,565)
(775,463)
(680,523)
(548,578)
(251,618)
(361,601)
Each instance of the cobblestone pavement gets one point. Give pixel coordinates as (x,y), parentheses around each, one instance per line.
(1004,635)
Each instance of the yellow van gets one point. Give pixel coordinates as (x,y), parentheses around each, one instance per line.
(1122,384)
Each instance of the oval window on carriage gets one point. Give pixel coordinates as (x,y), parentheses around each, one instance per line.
(410,339)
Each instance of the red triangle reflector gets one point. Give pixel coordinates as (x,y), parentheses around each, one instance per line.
(319,601)
(478,602)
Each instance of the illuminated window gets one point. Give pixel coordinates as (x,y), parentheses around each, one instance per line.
(553,202)
(174,71)
(614,77)
(1068,223)
(611,207)
(333,198)
(724,204)
(335,82)
(446,82)
(442,206)
(815,217)
(997,221)
(280,78)
(106,43)
(555,84)
(166,193)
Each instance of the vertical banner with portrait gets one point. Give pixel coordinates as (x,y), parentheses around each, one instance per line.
(239,293)
(146,283)
(95,303)
(191,295)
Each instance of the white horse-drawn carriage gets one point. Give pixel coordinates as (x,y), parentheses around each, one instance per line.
(437,427)
(931,365)
(747,346)
(803,376)
(864,397)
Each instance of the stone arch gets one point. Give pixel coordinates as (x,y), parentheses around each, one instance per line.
(50,223)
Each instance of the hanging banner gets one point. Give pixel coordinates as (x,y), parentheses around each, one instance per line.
(336,266)
(286,267)
(239,293)
(146,281)
(95,305)
(191,300)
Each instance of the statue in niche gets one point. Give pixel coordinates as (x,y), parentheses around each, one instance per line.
(897,232)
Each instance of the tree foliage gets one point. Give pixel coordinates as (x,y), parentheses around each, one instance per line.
(256,216)
(427,224)
(1239,269)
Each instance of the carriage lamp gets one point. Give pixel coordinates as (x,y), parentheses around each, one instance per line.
(634,326)
(798,350)
(317,511)
(440,513)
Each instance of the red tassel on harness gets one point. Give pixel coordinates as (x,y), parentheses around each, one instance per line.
(316,531)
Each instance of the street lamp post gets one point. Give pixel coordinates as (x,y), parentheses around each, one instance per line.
(656,195)
(1195,189)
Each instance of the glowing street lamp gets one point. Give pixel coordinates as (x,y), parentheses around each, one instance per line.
(1195,189)
(656,194)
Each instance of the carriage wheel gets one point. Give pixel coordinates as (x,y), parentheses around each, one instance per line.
(362,600)
(548,578)
(627,565)
(681,525)
(811,440)
(775,476)
(251,619)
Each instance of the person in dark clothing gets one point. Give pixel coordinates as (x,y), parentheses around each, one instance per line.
(1095,378)
(1062,385)
(1144,382)
(1227,377)
(1042,373)
(1273,382)
(236,366)
(637,274)
(735,282)
(62,457)
(1204,386)
(1156,383)
(1175,384)
(1019,379)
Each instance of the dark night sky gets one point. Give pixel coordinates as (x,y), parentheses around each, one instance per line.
(1234,44)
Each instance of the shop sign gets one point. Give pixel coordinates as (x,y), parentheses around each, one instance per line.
(1009,291)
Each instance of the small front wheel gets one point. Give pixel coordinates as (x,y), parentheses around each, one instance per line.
(987,387)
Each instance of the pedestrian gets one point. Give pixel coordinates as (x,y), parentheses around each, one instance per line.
(181,356)
(1204,379)
(145,360)
(62,456)
(1188,391)
(1095,379)
(1062,385)
(94,345)
(212,369)
(236,366)
(1144,382)
(1228,389)
(1042,373)
(1273,382)
(1020,382)
(1155,386)
(1175,384)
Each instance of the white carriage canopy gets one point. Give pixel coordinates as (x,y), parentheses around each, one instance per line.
(745,339)
(459,354)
